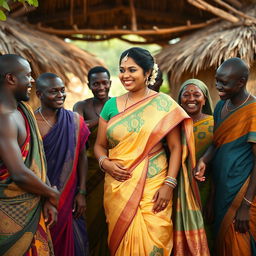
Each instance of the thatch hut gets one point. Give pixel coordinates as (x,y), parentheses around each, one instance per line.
(46,53)
(199,54)
(96,20)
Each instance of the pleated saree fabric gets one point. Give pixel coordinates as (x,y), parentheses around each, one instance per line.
(135,140)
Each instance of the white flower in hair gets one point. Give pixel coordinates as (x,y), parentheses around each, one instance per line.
(153,76)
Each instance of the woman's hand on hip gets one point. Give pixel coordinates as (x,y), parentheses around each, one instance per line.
(116,170)
(162,198)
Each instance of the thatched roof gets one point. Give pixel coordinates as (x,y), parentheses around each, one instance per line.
(46,53)
(157,21)
(209,47)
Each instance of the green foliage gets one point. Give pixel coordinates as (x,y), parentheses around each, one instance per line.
(4,6)
(2,15)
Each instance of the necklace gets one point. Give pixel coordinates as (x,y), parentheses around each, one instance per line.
(229,110)
(40,112)
(145,94)
(199,118)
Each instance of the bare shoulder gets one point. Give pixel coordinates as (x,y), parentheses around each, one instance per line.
(83,103)
(9,126)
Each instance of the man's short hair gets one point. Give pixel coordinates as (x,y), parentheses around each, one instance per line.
(9,64)
(97,69)
(42,80)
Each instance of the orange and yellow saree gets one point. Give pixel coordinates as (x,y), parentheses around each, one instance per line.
(134,138)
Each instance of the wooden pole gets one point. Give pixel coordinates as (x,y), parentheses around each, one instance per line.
(157,31)
(216,11)
(133,16)
(71,17)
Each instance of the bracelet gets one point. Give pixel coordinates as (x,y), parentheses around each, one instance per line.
(82,192)
(169,184)
(101,159)
(248,201)
(170,181)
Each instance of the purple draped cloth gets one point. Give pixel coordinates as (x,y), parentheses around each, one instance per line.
(62,146)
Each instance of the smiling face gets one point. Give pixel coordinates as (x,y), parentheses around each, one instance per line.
(131,75)
(192,99)
(100,84)
(228,83)
(53,95)
(23,80)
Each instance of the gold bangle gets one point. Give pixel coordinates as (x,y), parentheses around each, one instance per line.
(101,159)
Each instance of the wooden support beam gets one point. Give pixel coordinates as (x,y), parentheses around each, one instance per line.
(71,17)
(216,11)
(235,11)
(61,16)
(133,16)
(235,3)
(85,11)
(115,32)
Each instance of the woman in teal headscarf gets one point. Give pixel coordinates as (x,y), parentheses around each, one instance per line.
(195,99)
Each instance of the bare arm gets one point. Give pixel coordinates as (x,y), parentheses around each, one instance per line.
(174,145)
(117,171)
(242,215)
(11,156)
(203,161)
(82,169)
(164,194)
(79,201)
(79,108)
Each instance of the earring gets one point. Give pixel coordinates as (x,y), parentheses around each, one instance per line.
(146,81)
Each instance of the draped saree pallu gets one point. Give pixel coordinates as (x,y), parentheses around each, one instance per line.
(134,137)
(232,167)
(62,145)
(22,227)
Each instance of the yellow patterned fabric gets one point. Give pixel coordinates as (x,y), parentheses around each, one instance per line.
(134,138)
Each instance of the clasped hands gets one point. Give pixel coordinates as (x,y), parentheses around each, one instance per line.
(120,173)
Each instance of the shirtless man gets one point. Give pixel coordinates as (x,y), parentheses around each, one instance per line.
(23,187)
(99,82)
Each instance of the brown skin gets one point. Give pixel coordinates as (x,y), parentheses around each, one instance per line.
(231,85)
(52,98)
(90,109)
(13,135)
(192,101)
(133,79)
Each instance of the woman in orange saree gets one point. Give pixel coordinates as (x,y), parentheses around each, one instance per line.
(139,179)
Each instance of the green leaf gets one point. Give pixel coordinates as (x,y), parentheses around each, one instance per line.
(2,15)
(6,6)
(35,3)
